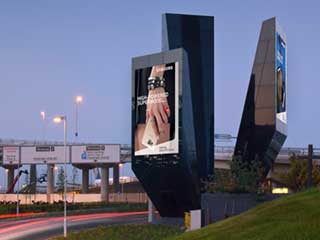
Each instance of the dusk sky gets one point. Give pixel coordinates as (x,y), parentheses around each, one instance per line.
(50,51)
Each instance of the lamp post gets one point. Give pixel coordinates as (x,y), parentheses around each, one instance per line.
(79,100)
(43,117)
(63,119)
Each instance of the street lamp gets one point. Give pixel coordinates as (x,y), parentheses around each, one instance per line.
(43,117)
(63,119)
(79,100)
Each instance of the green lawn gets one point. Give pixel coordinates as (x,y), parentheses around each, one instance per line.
(295,217)
(125,232)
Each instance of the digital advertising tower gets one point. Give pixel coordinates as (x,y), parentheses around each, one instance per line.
(263,127)
(173,114)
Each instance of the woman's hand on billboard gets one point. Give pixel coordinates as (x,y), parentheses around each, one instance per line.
(158,108)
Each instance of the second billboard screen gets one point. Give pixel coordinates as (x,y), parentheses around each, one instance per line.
(281,80)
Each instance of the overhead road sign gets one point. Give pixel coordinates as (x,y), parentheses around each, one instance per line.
(11,155)
(85,154)
(45,154)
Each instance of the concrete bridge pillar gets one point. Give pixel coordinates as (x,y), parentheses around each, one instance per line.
(116,182)
(104,183)
(85,180)
(50,178)
(10,176)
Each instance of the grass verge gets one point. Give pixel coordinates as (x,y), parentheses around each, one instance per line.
(125,232)
(295,217)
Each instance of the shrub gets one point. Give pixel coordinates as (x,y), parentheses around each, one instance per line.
(6,208)
(240,178)
(297,176)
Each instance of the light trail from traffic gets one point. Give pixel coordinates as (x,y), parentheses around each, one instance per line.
(44,227)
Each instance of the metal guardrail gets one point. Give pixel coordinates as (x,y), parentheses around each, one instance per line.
(126,148)
(23,142)
(284,151)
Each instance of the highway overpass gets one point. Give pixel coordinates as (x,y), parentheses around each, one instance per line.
(223,156)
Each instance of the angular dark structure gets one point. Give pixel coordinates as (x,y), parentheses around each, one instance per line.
(263,127)
(170,170)
(196,35)
(166,177)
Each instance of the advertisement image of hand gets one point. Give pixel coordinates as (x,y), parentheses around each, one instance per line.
(158,111)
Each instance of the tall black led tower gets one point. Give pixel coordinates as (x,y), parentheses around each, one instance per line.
(195,34)
(173,114)
(263,127)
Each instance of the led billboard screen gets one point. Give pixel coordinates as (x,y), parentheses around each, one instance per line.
(95,154)
(281,78)
(157,108)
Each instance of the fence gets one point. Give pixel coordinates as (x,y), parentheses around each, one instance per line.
(73,197)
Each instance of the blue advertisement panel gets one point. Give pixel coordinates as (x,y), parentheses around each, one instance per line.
(281,75)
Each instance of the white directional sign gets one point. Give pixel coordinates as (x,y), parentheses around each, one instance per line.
(44,154)
(95,154)
(11,155)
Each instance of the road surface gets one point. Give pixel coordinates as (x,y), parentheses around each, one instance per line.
(46,227)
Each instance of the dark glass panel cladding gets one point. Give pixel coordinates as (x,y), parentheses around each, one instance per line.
(260,137)
(196,35)
(172,180)
(167,178)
